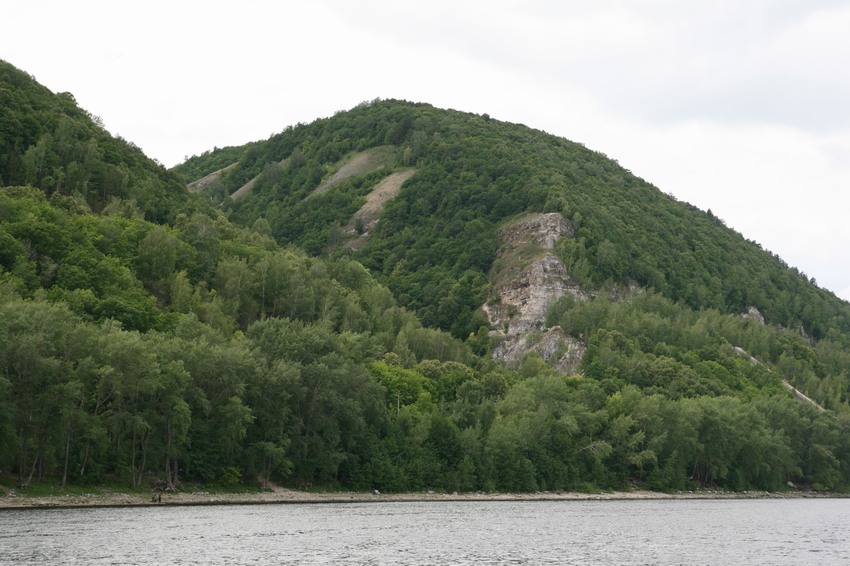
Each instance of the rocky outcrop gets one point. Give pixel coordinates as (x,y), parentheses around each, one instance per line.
(754,314)
(527,279)
(543,230)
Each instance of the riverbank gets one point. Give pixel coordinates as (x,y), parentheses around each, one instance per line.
(98,498)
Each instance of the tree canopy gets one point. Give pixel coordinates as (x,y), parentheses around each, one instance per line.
(149,336)
(437,239)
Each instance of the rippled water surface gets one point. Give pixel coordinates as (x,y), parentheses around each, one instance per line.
(796,531)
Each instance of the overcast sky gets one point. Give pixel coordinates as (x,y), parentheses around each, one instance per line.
(740,107)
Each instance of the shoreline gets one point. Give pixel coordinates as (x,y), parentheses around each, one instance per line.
(279,496)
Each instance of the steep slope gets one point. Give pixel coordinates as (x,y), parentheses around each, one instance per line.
(49,142)
(198,343)
(202,183)
(527,279)
(359,164)
(365,219)
(437,239)
(439,242)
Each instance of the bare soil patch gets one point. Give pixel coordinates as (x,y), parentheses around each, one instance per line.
(370,212)
(198,186)
(244,189)
(359,164)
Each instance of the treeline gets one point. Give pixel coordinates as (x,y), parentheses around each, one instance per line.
(116,331)
(301,404)
(138,353)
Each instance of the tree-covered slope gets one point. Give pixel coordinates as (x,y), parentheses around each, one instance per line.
(128,347)
(149,340)
(437,240)
(49,142)
(670,281)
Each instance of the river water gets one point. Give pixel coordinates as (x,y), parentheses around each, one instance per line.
(775,531)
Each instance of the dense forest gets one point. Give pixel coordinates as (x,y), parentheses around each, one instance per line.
(437,239)
(151,336)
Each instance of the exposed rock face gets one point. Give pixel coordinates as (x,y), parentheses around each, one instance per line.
(754,314)
(527,280)
(359,164)
(543,230)
(524,301)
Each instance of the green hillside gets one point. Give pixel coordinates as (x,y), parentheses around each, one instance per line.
(49,142)
(437,239)
(152,337)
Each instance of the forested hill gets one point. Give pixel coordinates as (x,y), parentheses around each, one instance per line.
(311,314)
(437,239)
(49,142)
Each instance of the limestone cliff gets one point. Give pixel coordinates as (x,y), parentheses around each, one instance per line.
(527,277)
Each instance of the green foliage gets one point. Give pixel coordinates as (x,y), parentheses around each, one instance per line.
(436,240)
(145,340)
(296,401)
(48,142)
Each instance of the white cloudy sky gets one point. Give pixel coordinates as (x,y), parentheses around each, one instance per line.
(737,106)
